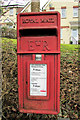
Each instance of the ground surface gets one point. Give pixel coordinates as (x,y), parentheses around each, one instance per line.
(69,84)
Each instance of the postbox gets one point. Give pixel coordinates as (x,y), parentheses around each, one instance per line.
(38,53)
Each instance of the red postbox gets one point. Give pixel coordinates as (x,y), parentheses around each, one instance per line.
(38,52)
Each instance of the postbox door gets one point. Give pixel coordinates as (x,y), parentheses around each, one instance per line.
(41,101)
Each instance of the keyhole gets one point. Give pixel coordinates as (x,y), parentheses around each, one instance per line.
(26,82)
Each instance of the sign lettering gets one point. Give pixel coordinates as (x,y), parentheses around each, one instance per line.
(44,20)
(34,45)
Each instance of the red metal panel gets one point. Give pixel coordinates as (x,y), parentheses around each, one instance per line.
(45,40)
(39,44)
(43,104)
(38,20)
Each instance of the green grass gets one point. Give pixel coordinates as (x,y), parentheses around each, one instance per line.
(12,43)
(9,39)
(69,47)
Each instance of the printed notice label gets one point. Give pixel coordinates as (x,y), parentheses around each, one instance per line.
(38,79)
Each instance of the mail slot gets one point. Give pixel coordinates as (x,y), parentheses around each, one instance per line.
(38,53)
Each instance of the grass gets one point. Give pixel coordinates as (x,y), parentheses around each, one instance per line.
(69,47)
(9,39)
(12,43)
